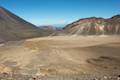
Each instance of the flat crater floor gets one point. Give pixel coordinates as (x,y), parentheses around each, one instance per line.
(69,57)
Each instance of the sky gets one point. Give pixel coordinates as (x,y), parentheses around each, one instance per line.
(52,12)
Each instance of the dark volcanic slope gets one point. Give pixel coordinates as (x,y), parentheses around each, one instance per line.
(95,26)
(13,27)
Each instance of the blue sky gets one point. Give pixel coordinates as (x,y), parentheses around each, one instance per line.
(48,12)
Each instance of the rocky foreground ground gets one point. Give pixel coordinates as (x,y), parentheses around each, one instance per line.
(61,58)
(60,77)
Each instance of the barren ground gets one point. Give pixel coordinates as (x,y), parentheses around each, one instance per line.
(62,55)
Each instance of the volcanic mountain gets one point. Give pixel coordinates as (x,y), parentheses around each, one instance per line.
(94,26)
(13,27)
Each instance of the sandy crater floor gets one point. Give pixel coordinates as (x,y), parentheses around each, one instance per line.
(62,55)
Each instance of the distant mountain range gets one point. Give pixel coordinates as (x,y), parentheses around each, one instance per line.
(13,27)
(94,26)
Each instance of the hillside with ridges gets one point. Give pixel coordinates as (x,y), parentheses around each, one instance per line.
(94,26)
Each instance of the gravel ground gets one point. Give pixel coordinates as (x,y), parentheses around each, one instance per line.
(60,77)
